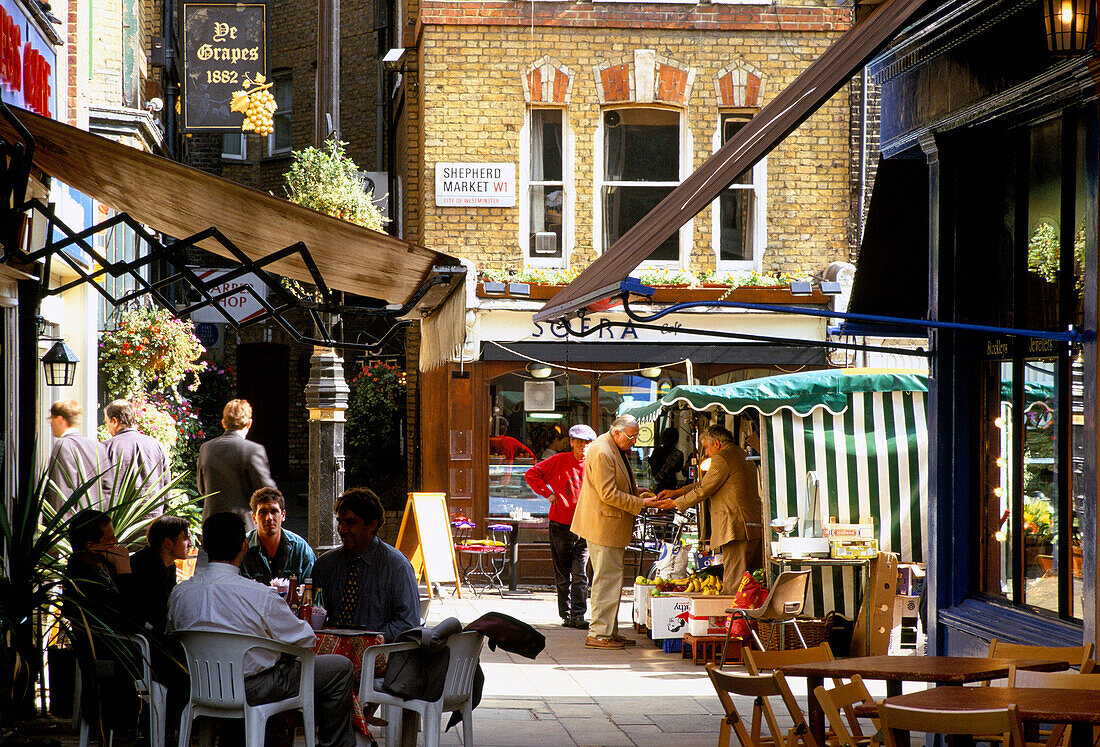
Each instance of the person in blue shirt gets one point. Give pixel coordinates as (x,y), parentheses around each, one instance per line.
(366,583)
(274,552)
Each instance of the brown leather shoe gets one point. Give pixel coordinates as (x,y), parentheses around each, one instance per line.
(595,641)
(624,641)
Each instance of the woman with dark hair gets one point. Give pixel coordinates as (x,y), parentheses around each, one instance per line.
(666,461)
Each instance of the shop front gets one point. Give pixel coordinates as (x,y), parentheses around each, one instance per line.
(523,384)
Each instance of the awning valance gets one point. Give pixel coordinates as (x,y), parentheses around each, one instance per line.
(790,108)
(800,393)
(181,201)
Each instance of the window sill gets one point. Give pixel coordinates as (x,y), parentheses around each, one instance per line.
(986,619)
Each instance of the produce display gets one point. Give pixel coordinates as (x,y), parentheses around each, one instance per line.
(698,583)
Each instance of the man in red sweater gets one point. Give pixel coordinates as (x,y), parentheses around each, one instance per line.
(558,479)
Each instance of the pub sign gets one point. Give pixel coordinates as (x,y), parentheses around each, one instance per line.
(224,52)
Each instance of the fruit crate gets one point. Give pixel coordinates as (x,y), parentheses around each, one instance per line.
(640,628)
(701,649)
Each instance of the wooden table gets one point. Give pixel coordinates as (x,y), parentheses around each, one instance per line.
(941,670)
(1080,708)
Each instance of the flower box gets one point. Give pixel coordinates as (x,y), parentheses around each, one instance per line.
(775,295)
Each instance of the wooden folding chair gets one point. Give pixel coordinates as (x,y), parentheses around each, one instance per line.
(838,704)
(761,662)
(1083,680)
(1075,656)
(760,688)
(897,720)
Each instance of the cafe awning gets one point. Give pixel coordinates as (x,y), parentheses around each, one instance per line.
(790,108)
(180,201)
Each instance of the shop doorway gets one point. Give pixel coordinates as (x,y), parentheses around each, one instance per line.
(263,378)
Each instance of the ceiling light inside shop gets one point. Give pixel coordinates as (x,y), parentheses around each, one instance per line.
(545,415)
(651,373)
(539,370)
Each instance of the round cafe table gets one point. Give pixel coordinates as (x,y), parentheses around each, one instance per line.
(351,644)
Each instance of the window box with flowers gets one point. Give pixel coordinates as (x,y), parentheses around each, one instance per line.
(670,286)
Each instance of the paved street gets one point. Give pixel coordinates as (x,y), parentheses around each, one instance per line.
(575,696)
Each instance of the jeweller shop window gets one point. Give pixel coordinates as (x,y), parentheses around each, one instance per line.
(1031,408)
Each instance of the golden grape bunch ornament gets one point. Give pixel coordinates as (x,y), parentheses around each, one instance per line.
(257,105)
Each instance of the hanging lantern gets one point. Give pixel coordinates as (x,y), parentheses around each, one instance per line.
(60,365)
(1067,25)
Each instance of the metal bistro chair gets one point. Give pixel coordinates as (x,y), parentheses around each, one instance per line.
(784,603)
(215,661)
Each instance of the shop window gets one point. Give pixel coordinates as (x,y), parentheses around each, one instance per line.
(1030,445)
(120,243)
(740,212)
(615,389)
(545,212)
(527,426)
(641,154)
(234,147)
(280,141)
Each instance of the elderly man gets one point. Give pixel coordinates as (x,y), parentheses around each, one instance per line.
(218,598)
(75,459)
(274,552)
(366,583)
(132,451)
(232,468)
(558,480)
(736,516)
(605,514)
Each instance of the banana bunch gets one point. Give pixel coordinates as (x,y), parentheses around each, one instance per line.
(705,584)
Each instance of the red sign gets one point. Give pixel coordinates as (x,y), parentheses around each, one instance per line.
(26,62)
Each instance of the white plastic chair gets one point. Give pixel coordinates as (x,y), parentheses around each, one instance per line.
(215,661)
(151,691)
(465,653)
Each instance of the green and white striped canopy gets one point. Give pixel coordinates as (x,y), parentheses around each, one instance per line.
(862,431)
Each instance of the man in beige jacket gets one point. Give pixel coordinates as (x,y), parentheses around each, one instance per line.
(736,518)
(606,508)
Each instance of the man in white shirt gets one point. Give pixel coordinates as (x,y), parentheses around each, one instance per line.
(219,598)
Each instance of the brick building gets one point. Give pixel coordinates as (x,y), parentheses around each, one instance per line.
(600,110)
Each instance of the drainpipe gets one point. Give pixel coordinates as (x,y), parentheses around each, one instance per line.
(862,160)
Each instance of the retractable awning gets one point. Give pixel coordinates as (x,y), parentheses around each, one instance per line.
(790,108)
(181,201)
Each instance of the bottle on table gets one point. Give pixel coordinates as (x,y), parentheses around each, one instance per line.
(292,593)
(305,609)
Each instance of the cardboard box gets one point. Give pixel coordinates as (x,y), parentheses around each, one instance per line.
(848,549)
(862,531)
(878,604)
(910,579)
(641,603)
(707,614)
(668,616)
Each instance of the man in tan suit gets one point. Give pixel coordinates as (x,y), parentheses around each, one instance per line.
(606,508)
(736,518)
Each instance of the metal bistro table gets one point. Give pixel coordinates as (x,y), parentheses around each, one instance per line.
(1079,708)
(941,670)
(513,542)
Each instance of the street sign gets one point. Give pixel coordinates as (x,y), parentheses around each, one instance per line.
(241,306)
(224,50)
(475,184)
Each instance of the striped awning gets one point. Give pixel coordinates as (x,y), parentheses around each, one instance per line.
(872,461)
(862,431)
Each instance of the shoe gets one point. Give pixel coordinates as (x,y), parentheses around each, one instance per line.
(624,641)
(594,641)
(575,622)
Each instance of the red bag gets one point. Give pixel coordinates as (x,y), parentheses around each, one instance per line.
(750,595)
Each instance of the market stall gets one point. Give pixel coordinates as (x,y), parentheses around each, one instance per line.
(861,431)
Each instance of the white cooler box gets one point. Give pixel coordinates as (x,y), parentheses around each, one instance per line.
(641,603)
(707,614)
(668,617)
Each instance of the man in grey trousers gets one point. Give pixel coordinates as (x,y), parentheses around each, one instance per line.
(232,468)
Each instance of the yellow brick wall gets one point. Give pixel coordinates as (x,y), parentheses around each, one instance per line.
(473,111)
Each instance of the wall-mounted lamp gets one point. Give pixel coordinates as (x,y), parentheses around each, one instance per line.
(60,365)
(831,288)
(1067,25)
(539,370)
(651,373)
(802,288)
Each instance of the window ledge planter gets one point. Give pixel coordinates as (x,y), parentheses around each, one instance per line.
(778,295)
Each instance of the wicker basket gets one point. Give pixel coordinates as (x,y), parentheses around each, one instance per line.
(816,630)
